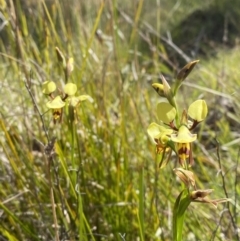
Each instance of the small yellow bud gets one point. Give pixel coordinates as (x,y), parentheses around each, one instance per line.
(159,89)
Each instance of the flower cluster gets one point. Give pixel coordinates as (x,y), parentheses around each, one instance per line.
(173,133)
(170,136)
(68,96)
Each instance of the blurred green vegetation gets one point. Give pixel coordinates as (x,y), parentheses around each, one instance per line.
(106,180)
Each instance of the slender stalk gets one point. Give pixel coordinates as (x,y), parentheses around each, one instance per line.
(38,111)
(141,204)
(54,214)
(49,160)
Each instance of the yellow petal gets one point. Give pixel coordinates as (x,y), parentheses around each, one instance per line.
(183,135)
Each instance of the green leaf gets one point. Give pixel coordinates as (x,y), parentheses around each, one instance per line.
(172,145)
(48,87)
(166,112)
(70,89)
(56,103)
(61,57)
(163,158)
(198,110)
(180,207)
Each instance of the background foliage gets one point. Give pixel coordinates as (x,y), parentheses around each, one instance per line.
(107,184)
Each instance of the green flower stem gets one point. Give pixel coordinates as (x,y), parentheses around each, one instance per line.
(177,112)
(73,131)
(181,204)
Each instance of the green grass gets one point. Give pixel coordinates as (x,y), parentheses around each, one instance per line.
(105,178)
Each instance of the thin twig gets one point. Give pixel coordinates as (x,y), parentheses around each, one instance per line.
(226,193)
(49,155)
(218,225)
(36,107)
(54,212)
(61,196)
(235,186)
